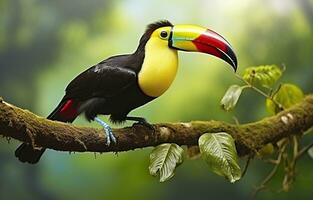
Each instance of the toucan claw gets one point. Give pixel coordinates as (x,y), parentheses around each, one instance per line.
(108,131)
(146,124)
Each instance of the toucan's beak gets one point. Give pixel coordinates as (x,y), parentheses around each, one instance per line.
(195,38)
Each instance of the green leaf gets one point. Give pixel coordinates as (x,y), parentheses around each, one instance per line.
(266,150)
(266,75)
(310,152)
(231,97)
(219,151)
(164,159)
(271,107)
(287,96)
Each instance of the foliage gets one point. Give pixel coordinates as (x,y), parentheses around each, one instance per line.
(231,97)
(39,57)
(266,75)
(164,159)
(286,96)
(219,151)
(278,98)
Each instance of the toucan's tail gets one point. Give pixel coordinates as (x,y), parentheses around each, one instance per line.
(26,153)
(66,111)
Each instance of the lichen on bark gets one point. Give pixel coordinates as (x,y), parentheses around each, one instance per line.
(27,127)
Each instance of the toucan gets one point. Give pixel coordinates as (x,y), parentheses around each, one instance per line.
(121,83)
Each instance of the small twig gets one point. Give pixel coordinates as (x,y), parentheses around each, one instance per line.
(290,165)
(263,184)
(266,180)
(295,146)
(259,91)
(246,166)
(303,150)
(252,86)
(271,161)
(236,120)
(277,90)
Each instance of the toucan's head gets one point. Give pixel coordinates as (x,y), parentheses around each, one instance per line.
(191,38)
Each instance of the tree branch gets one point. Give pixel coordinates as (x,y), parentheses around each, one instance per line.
(40,132)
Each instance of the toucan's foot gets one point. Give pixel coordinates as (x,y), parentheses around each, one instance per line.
(142,121)
(108,131)
(146,124)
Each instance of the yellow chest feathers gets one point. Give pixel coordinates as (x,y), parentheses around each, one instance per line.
(159,68)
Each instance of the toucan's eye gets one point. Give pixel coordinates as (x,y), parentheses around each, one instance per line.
(163,34)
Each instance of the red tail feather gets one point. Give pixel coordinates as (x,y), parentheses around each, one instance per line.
(69,110)
(66,111)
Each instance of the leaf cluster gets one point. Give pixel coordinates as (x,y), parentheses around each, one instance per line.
(218,150)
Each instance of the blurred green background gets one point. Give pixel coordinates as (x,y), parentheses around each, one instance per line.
(44,44)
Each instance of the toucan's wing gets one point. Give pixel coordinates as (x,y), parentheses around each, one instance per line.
(102,80)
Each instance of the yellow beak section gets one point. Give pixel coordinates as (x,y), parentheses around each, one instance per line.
(183,35)
(200,39)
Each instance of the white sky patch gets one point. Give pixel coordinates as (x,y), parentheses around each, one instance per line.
(282,7)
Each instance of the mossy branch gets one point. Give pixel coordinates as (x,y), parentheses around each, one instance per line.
(27,127)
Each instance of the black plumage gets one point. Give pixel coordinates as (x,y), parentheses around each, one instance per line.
(108,88)
(111,87)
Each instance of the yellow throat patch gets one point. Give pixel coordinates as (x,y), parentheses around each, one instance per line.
(159,66)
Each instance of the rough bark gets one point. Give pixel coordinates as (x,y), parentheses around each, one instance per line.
(27,127)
